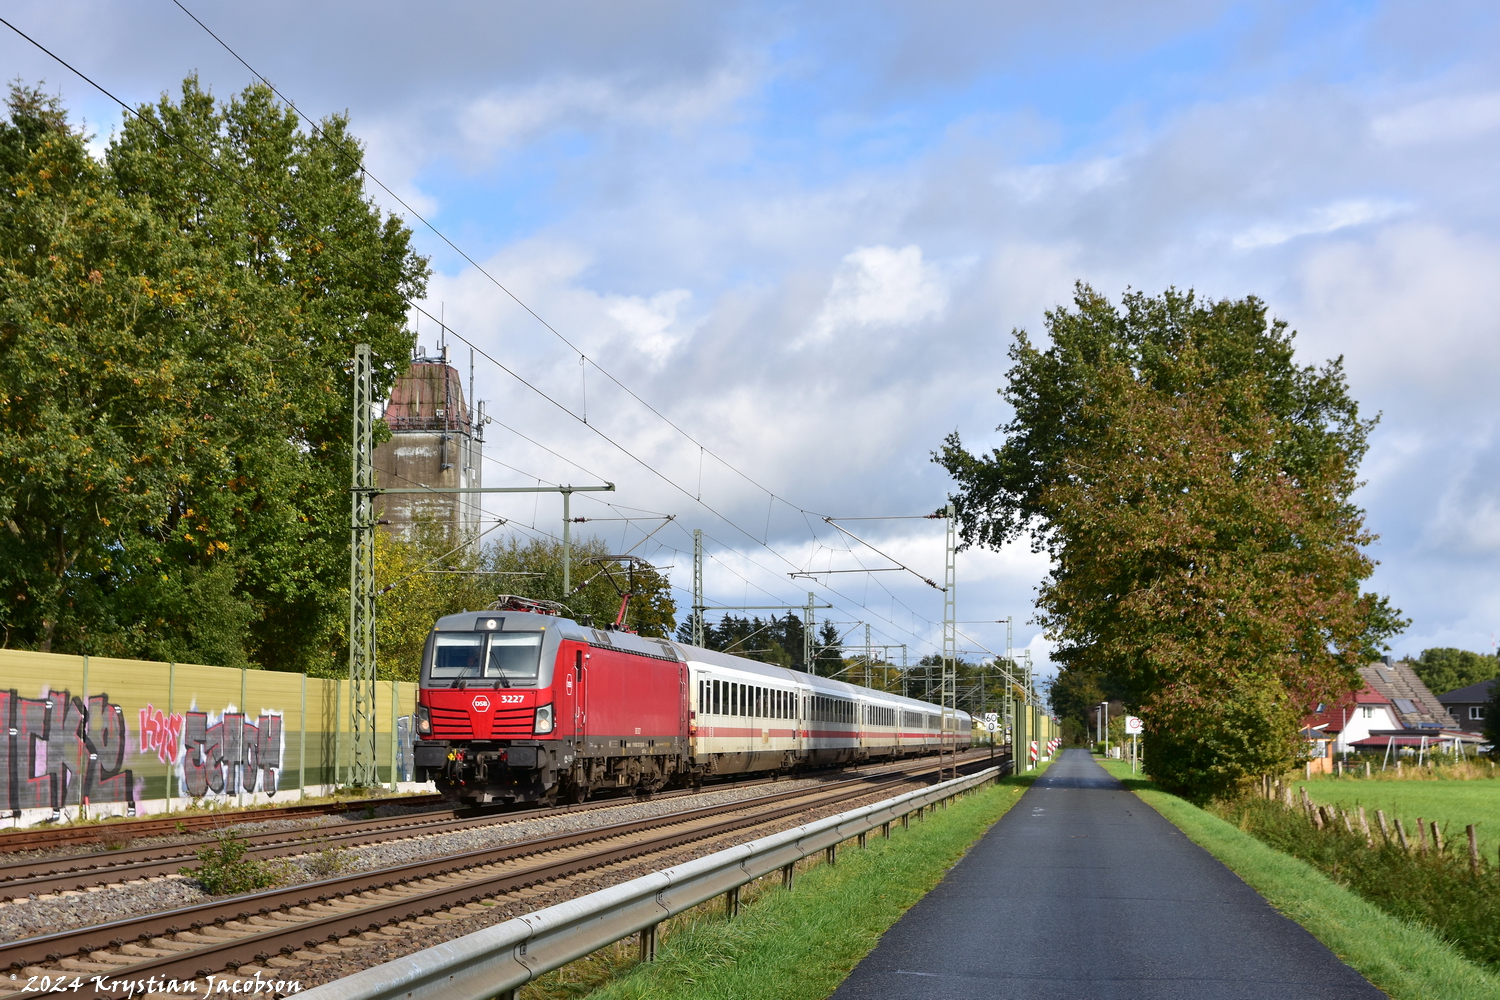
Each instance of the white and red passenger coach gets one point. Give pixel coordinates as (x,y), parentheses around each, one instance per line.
(519,704)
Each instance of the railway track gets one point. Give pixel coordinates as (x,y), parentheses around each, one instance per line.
(40,876)
(50,836)
(273,931)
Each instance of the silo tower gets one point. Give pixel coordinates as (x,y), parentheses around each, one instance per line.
(437,439)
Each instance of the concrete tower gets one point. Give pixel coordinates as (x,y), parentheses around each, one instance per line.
(436,440)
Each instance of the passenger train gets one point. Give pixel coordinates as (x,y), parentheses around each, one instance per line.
(518,704)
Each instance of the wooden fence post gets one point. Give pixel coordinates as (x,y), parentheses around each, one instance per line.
(1473,850)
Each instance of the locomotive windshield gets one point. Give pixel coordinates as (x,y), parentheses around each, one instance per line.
(509,657)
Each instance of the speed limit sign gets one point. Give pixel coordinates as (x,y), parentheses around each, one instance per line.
(1134,726)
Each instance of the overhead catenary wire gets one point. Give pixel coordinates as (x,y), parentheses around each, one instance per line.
(574,348)
(762,542)
(582,355)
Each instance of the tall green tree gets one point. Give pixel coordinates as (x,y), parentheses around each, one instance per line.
(1192,485)
(1444,669)
(829,658)
(174,341)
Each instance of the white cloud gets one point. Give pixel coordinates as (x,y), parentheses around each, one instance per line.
(1320,221)
(514,116)
(651,324)
(1042,181)
(1442,119)
(878,286)
(1415,313)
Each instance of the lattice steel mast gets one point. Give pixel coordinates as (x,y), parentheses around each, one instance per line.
(362,578)
(950,636)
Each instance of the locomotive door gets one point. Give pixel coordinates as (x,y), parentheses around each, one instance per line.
(684,708)
(581,700)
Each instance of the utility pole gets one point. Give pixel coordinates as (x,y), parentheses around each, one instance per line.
(362,577)
(698,587)
(567,545)
(809,639)
(566,491)
(950,633)
(868,654)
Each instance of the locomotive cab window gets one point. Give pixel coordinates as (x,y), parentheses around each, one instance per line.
(511,657)
(457,655)
(514,657)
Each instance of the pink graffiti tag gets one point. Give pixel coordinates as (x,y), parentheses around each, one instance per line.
(160,732)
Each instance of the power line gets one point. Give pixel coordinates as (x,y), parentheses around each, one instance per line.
(763,543)
(703,449)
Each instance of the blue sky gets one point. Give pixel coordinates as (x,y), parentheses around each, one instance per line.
(804,232)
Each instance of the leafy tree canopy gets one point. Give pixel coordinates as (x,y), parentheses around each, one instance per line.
(1444,669)
(175,332)
(1191,483)
(422,578)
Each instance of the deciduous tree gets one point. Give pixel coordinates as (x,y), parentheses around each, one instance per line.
(174,341)
(1192,485)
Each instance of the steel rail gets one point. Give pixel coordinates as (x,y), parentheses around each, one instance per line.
(47,875)
(54,948)
(493,963)
(43,876)
(48,835)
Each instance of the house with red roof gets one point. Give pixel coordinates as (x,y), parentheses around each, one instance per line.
(1371,721)
(1334,728)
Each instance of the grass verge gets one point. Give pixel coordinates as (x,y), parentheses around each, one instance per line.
(1436,794)
(796,945)
(1407,961)
(1423,886)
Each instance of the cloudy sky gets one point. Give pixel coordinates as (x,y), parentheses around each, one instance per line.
(792,242)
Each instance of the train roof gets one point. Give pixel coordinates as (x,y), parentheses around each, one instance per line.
(526,621)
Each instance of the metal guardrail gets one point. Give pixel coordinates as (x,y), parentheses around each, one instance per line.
(493,963)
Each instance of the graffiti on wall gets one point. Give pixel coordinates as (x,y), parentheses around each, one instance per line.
(62,750)
(228,754)
(160,733)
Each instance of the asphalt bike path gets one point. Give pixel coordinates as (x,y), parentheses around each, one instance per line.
(1083,892)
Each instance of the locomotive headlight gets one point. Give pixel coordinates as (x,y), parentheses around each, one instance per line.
(544,719)
(424,721)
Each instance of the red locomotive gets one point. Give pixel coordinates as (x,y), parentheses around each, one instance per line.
(521,705)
